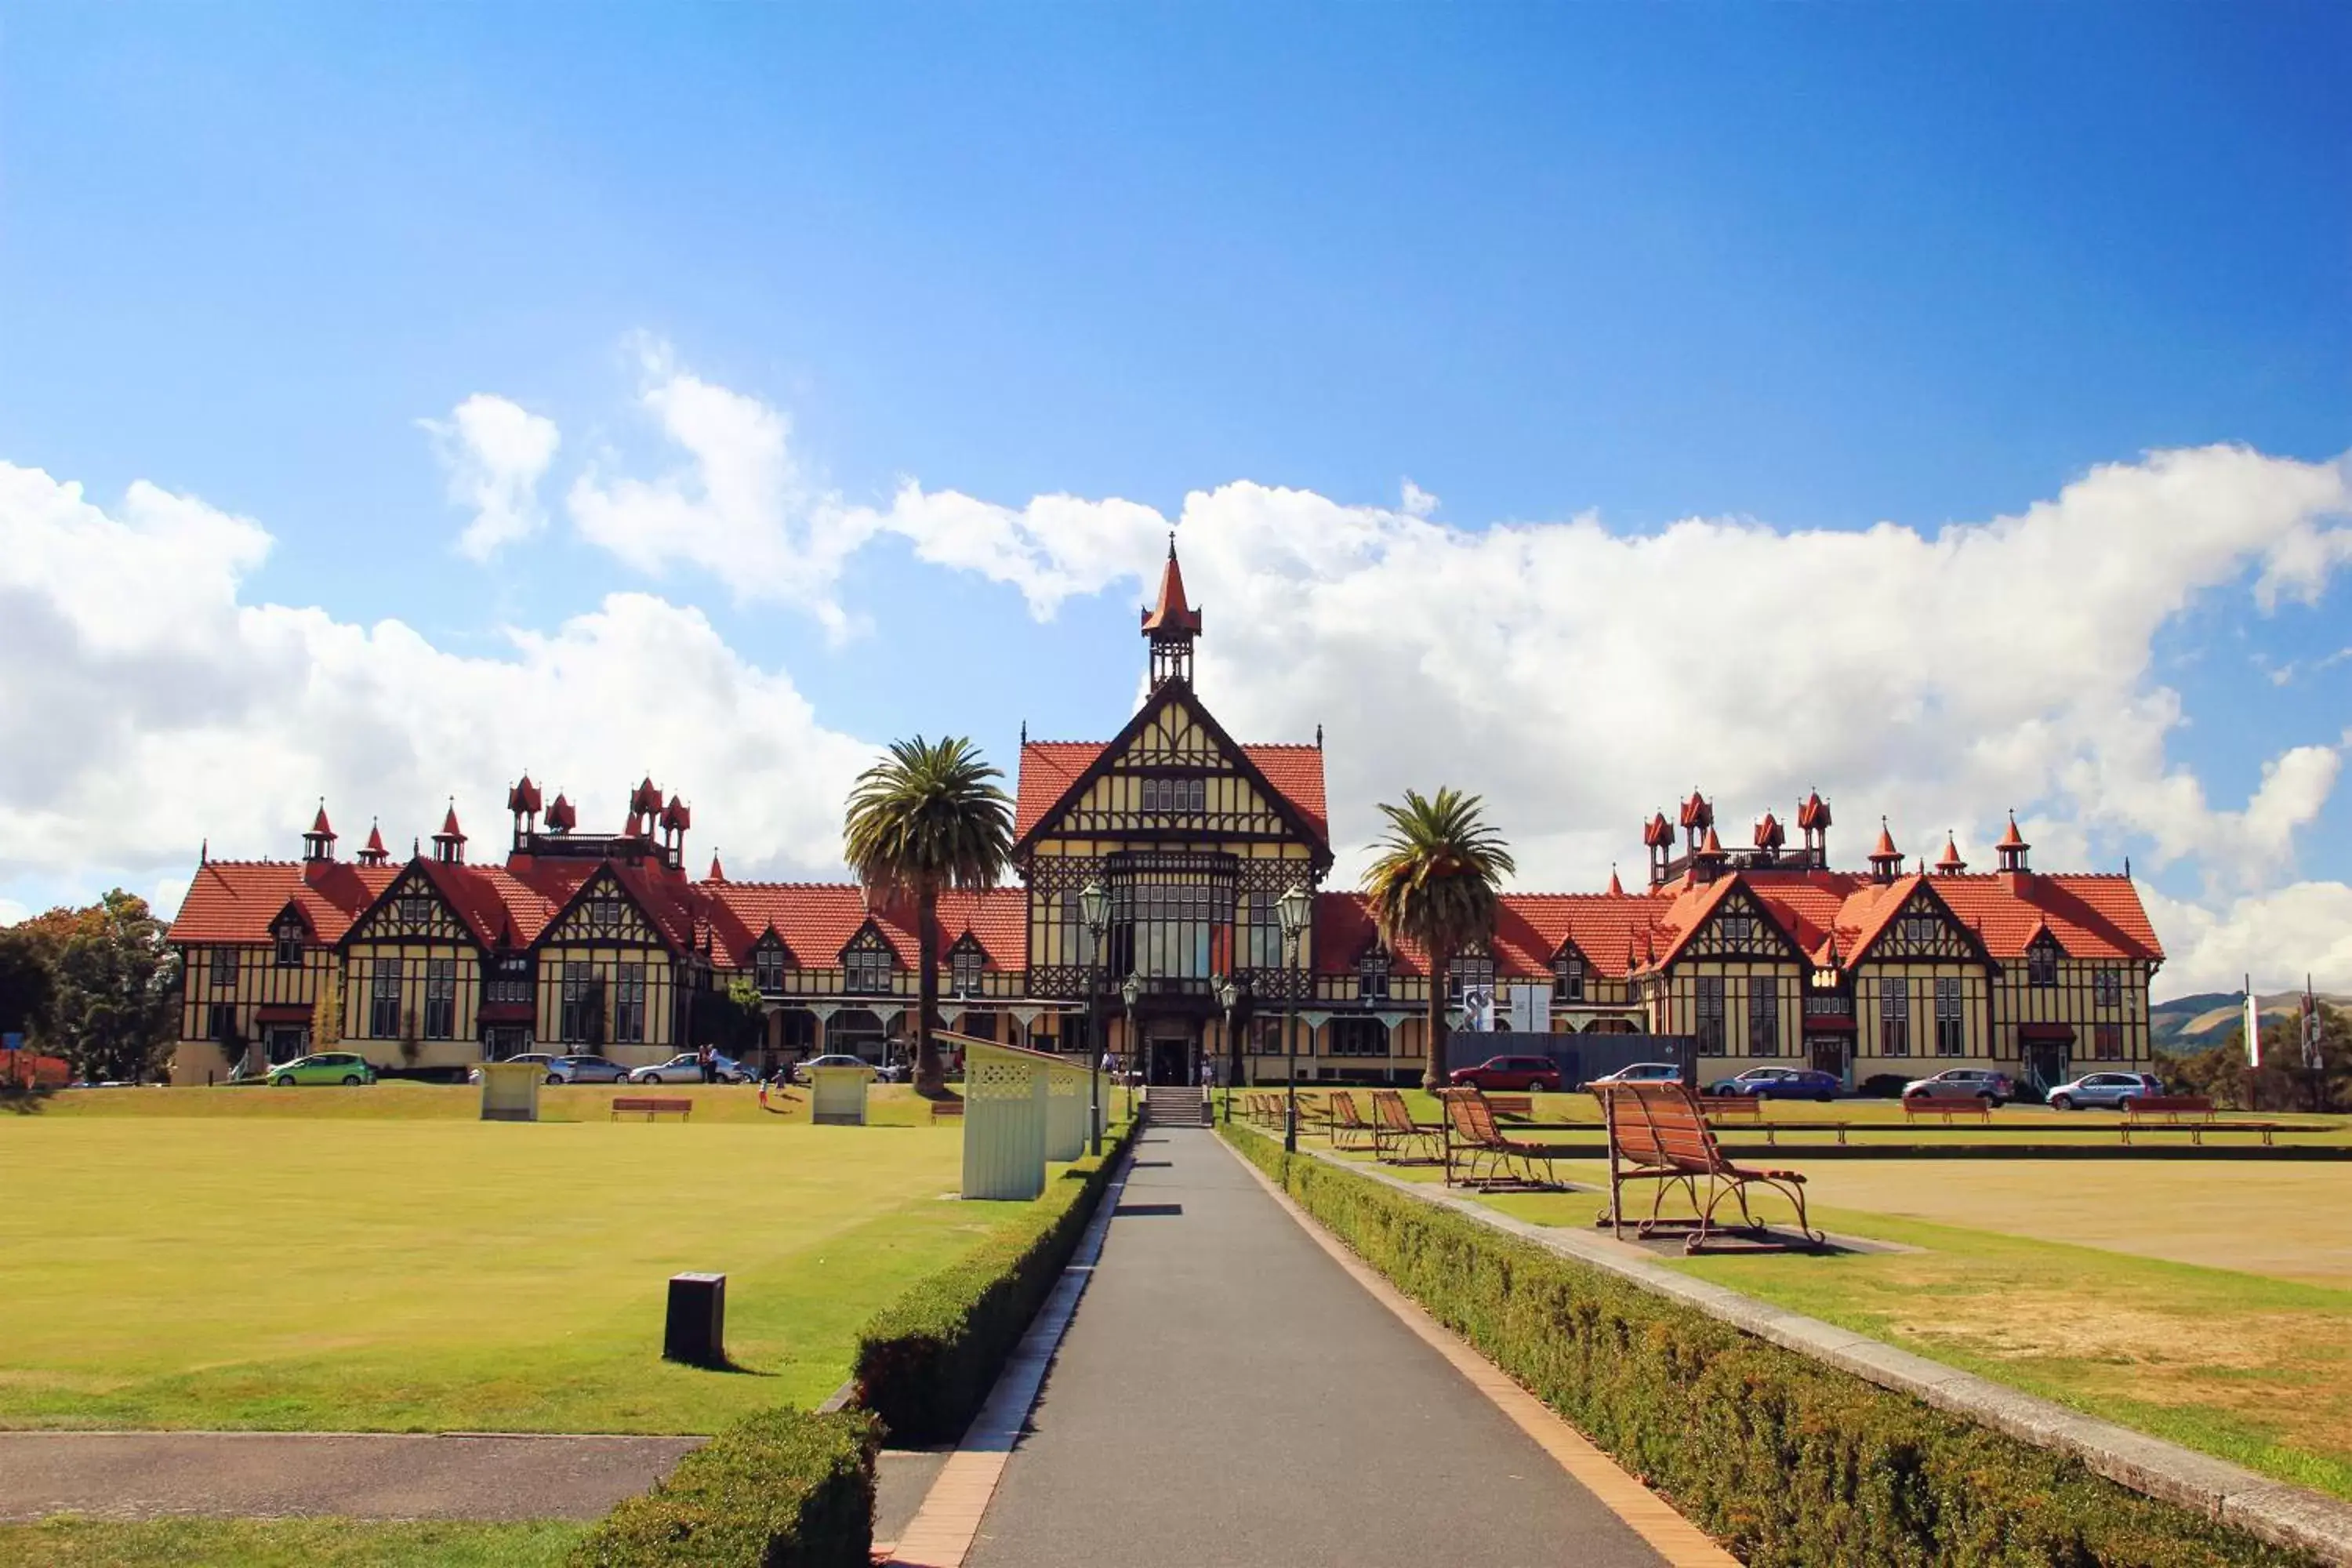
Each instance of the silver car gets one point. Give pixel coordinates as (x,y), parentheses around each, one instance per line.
(2108,1090)
(684,1068)
(586,1070)
(1963,1083)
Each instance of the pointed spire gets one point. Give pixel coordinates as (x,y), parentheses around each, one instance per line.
(1616,888)
(718,872)
(1951,865)
(2013,839)
(319,844)
(1174,613)
(319,824)
(374,854)
(561,817)
(2013,847)
(1770,834)
(1813,812)
(449,844)
(1885,860)
(1659,833)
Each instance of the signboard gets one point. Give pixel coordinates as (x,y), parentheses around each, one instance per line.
(2312,1059)
(1478,1008)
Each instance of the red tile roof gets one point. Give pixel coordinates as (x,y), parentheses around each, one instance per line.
(1172,612)
(236,900)
(816,921)
(1528,930)
(1048,769)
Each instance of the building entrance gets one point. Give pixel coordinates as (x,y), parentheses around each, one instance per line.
(1169,1060)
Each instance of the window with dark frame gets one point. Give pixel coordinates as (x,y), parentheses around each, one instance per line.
(224,968)
(1736,929)
(509,981)
(2107,1042)
(578,1022)
(223,1022)
(1372,978)
(384,999)
(289,944)
(768,968)
(1359,1037)
(1951,1027)
(868,968)
(2042,964)
(967,971)
(1763,1016)
(1165,796)
(415,910)
(1466,970)
(440,998)
(1710,1015)
(2107,987)
(1568,978)
(629,1006)
(1895,1017)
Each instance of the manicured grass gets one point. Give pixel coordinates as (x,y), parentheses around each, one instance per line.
(298,1273)
(2251,1362)
(890,1104)
(71,1543)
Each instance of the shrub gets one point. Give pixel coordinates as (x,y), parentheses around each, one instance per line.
(1786,1460)
(783,1489)
(925,1363)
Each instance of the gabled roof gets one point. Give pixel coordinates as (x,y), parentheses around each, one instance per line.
(1054,772)
(239,900)
(817,919)
(1529,929)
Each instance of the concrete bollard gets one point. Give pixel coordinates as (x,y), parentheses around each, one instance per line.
(696,1331)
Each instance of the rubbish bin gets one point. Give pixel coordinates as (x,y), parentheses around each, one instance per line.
(510,1090)
(837,1095)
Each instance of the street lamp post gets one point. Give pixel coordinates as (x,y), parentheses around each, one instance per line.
(1094,907)
(1294,908)
(1228,993)
(1129,989)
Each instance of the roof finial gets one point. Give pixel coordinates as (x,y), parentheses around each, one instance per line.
(1319,737)
(205,853)
(1172,544)
(1024,731)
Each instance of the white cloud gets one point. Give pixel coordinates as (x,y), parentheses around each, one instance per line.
(495,452)
(11,911)
(2278,937)
(145,705)
(1416,501)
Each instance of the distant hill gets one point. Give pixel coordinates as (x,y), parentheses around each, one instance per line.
(2194,1022)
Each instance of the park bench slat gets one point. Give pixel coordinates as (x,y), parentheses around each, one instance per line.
(650,1106)
(1660,1133)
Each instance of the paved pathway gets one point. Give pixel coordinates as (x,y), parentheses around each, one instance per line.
(1228,1395)
(358,1475)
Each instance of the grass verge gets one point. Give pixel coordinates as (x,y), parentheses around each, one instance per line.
(1786,1461)
(71,1541)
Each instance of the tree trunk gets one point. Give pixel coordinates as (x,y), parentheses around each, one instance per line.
(929,1077)
(1433,1077)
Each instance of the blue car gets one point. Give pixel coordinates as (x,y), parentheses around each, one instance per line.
(1783,1083)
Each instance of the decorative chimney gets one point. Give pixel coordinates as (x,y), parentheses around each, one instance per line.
(1814,821)
(1885,860)
(449,844)
(1171,624)
(1707,859)
(2014,868)
(374,854)
(319,844)
(1659,838)
(1951,865)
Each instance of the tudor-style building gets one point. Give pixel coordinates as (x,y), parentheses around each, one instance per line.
(603,942)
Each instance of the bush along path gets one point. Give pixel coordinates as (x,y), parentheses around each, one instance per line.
(1786,1460)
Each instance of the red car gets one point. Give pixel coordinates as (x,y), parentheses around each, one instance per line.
(1513,1073)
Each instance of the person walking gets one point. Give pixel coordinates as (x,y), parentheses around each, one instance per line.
(705,1057)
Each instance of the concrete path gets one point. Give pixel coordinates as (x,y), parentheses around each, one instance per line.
(358,1475)
(1226,1394)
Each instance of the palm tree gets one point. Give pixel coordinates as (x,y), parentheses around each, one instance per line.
(925,818)
(1434,885)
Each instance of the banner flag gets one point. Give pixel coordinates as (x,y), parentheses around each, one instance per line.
(2253,1027)
(2312,1059)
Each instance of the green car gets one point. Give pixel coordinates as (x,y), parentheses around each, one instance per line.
(327,1067)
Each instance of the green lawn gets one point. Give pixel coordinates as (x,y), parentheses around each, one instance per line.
(69,1542)
(274,1271)
(892,1105)
(2251,1362)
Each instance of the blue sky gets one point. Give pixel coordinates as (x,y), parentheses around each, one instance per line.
(1815,267)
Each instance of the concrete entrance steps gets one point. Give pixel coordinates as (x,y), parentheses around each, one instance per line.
(1168,1106)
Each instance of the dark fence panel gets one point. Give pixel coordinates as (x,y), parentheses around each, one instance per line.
(1580,1058)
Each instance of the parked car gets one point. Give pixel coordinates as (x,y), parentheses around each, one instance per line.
(2109,1090)
(324,1067)
(1963,1083)
(1516,1074)
(543,1060)
(1783,1083)
(830,1060)
(1640,1072)
(687,1067)
(587,1068)
(893,1072)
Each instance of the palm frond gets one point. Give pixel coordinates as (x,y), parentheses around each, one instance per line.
(1439,868)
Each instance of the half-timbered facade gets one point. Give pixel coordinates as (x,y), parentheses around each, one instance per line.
(603,942)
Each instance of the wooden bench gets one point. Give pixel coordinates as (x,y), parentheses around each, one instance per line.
(947,1111)
(1345,1125)
(650,1106)
(1917,1105)
(1657,1133)
(1521,1106)
(2192,1112)
(1470,1128)
(1731,1107)
(1393,1129)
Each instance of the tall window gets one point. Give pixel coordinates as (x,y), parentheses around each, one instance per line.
(1895,1017)
(1261,944)
(1469,969)
(384,999)
(1763,1016)
(509,981)
(440,998)
(768,968)
(582,1021)
(2107,1042)
(2042,964)
(2107,987)
(1164,929)
(967,969)
(629,1006)
(1372,978)
(290,945)
(222,1021)
(224,968)
(1568,978)
(1951,1032)
(1266,1035)
(1710,1015)
(867,968)
(1168,797)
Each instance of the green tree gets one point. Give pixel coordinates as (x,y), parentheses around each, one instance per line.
(734,1019)
(117,988)
(2281,1083)
(1437,884)
(928,817)
(27,983)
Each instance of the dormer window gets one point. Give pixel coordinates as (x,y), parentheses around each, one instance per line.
(289,944)
(1469,969)
(767,967)
(2042,964)
(1175,796)
(967,965)
(868,968)
(1568,978)
(1372,978)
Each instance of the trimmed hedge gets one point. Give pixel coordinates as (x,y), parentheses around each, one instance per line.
(1785,1460)
(783,1489)
(925,1363)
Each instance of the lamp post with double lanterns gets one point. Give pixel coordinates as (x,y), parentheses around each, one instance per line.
(1094,908)
(1129,990)
(1293,908)
(1229,993)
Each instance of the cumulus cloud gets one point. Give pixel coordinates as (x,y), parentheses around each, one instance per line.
(146,705)
(2278,937)
(495,452)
